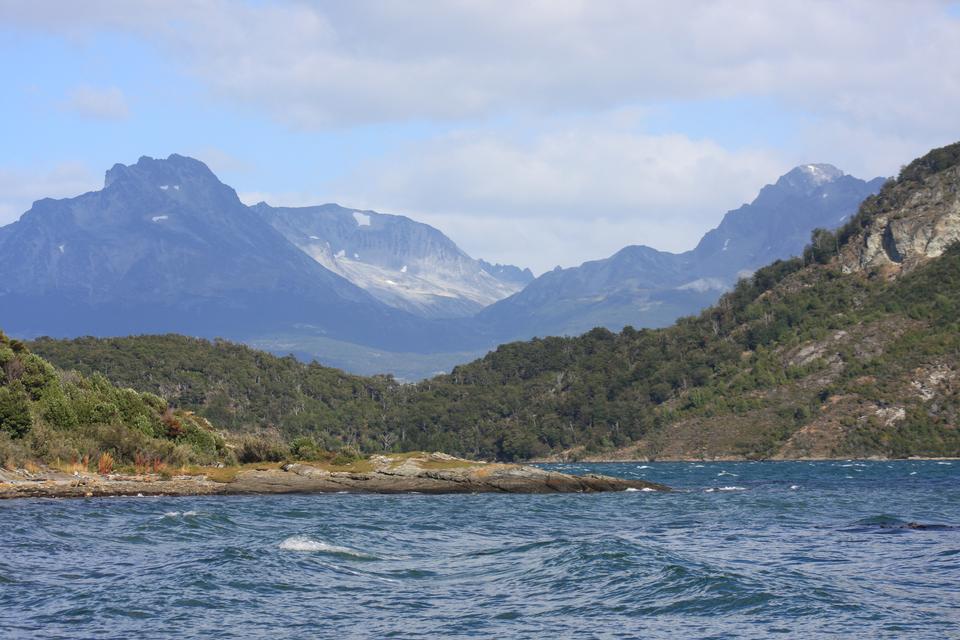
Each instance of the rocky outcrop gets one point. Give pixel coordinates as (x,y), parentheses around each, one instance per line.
(434,473)
(920,226)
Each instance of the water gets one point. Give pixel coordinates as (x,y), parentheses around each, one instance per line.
(746,550)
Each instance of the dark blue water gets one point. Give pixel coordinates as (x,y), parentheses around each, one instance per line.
(747,550)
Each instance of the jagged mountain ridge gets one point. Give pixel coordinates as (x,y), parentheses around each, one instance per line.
(643,287)
(403,263)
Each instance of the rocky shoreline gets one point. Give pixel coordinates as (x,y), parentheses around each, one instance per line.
(434,473)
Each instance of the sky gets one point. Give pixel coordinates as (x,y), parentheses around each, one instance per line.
(532,132)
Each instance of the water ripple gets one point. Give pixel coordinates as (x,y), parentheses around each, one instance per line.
(742,550)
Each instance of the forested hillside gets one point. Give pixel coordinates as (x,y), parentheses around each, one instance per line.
(814,356)
(238,388)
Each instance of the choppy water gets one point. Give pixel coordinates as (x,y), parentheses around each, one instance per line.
(747,550)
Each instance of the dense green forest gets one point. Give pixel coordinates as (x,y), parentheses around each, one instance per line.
(730,365)
(240,389)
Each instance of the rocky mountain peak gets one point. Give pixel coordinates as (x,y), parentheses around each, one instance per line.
(807,177)
(163,171)
(175,180)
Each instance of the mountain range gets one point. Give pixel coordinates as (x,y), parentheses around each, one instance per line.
(643,287)
(166,247)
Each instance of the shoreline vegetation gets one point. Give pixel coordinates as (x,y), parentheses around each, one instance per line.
(430,473)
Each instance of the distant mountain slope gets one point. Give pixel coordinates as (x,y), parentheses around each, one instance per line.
(777,224)
(165,246)
(643,287)
(403,263)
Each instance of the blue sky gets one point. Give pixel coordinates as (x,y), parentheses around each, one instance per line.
(537,133)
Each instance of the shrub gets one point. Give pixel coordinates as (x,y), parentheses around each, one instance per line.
(305,448)
(15,418)
(174,428)
(261,449)
(105,464)
(345,456)
(201,440)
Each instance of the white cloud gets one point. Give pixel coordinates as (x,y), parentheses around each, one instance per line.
(106,103)
(578,189)
(334,62)
(876,83)
(20,187)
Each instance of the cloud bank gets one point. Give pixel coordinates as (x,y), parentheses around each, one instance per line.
(541,102)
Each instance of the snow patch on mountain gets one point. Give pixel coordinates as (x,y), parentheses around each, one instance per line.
(819,174)
(363,219)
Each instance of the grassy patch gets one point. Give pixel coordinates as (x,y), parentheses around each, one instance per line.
(449,464)
(228,474)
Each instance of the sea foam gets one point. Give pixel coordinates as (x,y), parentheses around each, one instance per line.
(308,544)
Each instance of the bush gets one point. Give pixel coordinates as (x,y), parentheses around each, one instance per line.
(345,456)
(105,464)
(305,448)
(201,440)
(15,418)
(261,449)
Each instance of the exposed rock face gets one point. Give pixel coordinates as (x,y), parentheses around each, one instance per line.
(921,227)
(421,473)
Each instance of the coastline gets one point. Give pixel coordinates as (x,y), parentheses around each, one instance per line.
(605,460)
(434,473)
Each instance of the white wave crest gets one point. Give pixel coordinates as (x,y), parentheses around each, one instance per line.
(177,514)
(308,544)
(712,489)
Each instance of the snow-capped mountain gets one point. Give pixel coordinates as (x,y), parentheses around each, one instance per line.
(403,263)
